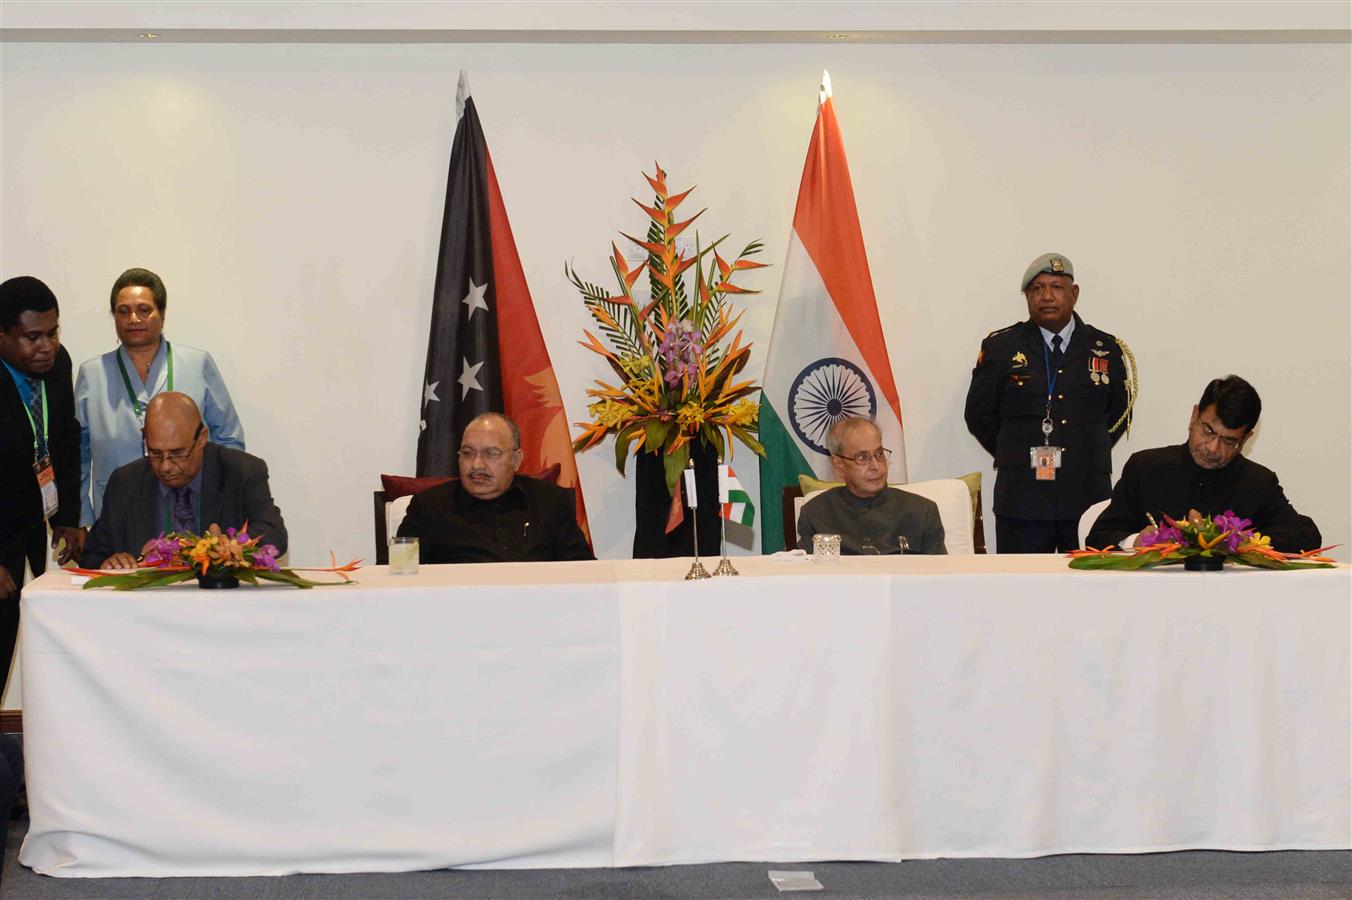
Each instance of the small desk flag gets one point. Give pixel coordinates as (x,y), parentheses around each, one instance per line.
(735,502)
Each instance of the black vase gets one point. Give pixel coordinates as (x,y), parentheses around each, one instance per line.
(652,506)
(214,581)
(1204,563)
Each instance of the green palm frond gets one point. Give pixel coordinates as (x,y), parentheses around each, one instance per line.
(627,339)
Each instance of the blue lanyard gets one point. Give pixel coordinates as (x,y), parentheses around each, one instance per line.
(1051,391)
(1051,376)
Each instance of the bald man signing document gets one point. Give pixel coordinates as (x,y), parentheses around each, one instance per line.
(183,483)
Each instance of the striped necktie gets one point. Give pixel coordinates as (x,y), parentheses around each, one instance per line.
(35,410)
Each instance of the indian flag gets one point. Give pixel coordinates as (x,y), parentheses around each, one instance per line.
(734,502)
(827,358)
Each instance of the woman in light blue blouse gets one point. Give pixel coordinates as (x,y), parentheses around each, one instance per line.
(112,390)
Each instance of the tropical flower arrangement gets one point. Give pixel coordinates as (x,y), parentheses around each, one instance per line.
(675,367)
(216,558)
(1208,541)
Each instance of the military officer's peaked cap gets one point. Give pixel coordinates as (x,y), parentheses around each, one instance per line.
(1051,263)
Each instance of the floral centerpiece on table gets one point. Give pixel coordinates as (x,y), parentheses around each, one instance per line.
(1200,542)
(215,558)
(675,367)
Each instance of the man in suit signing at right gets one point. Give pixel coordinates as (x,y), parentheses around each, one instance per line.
(183,483)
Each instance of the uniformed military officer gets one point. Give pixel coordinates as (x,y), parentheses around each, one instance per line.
(1049,399)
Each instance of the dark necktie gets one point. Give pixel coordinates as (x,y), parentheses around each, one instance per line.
(35,410)
(1057,355)
(184,520)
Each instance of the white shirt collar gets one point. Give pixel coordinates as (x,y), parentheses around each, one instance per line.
(1064,332)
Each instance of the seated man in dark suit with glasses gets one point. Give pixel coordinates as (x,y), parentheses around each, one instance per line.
(184,483)
(1206,473)
(869,516)
(491,514)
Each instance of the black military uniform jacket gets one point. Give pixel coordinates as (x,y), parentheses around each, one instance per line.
(1006,404)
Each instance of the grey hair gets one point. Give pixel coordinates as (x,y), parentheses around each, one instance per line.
(511,426)
(835,436)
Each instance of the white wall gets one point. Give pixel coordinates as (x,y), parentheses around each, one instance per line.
(290,196)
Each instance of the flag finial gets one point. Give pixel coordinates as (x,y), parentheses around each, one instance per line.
(825,93)
(461,94)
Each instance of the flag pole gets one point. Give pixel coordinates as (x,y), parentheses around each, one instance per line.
(697,570)
(725,566)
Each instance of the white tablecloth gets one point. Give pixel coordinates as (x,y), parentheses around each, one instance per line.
(607,713)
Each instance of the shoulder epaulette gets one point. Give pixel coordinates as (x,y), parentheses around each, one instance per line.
(1003,330)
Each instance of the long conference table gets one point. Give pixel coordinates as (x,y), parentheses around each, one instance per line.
(612,714)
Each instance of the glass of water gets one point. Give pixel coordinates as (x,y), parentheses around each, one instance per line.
(403,556)
(826,549)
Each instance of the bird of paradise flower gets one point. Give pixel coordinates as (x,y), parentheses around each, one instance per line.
(180,556)
(675,366)
(1225,535)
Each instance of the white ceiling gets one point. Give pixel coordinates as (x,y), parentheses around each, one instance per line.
(690,21)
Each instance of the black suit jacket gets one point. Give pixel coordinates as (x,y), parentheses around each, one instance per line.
(20,497)
(1006,404)
(234,491)
(1166,480)
(532,521)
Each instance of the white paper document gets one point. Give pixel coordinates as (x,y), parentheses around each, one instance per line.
(794,881)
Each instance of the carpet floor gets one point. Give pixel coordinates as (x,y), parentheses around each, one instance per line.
(1287,875)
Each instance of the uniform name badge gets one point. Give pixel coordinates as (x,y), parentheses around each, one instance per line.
(1044,461)
(47,485)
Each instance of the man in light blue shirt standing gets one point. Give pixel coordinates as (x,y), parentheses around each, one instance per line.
(112,390)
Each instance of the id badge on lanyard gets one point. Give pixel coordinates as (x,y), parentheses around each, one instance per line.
(42,460)
(47,484)
(1044,461)
(1045,458)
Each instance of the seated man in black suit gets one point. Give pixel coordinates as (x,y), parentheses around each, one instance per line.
(184,483)
(491,514)
(1206,473)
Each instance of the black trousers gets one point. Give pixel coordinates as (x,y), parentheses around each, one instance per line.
(11,776)
(30,546)
(1036,535)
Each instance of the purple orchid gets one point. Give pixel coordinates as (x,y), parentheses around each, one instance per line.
(679,350)
(1238,528)
(1228,521)
(163,552)
(265,557)
(1166,534)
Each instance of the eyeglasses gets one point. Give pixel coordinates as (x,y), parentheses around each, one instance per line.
(175,456)
(882,455)
(490,455)
(1209,434)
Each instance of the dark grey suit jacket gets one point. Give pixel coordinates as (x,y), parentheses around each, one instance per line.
(234,491)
